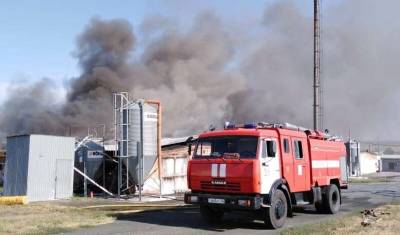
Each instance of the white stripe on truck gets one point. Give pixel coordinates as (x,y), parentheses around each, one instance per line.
(214,170)
(222,170)
(325,164)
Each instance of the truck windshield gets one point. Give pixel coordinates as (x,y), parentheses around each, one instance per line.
(227,147)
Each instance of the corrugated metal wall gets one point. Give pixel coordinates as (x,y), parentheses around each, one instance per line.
(16,170)
(44,152)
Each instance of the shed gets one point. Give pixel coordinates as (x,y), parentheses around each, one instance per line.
(39,166)
(390,163)
(369,163)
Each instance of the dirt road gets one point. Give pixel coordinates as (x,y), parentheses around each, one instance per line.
(188,221)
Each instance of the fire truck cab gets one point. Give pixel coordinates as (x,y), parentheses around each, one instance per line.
(266,168)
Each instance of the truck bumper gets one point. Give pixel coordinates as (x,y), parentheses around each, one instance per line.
(236,202)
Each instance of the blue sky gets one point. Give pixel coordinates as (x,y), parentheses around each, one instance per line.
(38,37)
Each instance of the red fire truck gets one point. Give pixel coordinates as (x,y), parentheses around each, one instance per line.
(266,168)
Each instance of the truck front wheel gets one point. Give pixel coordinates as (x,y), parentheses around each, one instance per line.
(275,216)
(211,215)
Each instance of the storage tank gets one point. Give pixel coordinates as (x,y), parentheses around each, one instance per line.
(139,124)
(89,158)
(353,157)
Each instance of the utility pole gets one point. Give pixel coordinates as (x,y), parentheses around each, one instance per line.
(317,112)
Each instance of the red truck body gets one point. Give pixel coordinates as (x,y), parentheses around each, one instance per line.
(246,165)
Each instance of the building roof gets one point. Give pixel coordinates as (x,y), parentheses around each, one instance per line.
(20,135)
(178,140)
(384,156)
(109,145)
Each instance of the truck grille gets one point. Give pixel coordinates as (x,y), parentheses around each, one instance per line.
(229,186)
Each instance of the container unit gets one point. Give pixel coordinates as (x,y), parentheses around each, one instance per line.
(40,167)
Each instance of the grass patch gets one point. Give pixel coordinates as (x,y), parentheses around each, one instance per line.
(351,224)
(48,219)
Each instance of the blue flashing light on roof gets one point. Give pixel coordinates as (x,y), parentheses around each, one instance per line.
(229,125)
(250,126)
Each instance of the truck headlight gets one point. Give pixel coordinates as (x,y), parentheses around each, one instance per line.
(246,203)
(193,199)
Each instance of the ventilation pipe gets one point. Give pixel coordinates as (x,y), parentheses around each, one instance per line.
(159,121)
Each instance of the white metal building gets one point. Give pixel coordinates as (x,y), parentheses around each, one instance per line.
(369,163)
(389,163)
(40,167)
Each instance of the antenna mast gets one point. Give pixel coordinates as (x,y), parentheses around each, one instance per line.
(317,108)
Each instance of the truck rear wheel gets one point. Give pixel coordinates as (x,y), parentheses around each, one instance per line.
(330,200)
(275,216)
(211,215)
(319,206)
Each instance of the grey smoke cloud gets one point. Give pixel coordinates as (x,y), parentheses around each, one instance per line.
(360,69)
(207,74)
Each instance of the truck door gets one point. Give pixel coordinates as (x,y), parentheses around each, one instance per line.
(287,161)
(301,165)
(269,164)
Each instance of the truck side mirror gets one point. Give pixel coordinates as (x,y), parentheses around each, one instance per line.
(271,148)
(189,142)
(190,149)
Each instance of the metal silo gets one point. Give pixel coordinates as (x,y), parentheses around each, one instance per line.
(136,133)
(89,158)
(353,157)
(142,128)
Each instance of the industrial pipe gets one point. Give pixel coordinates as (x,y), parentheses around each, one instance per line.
(93,182)
(159,119)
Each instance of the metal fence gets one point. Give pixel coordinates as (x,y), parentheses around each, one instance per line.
(386,147)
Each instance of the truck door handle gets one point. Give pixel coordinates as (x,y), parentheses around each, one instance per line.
(264,164)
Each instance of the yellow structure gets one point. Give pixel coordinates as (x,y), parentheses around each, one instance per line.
(13,200)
